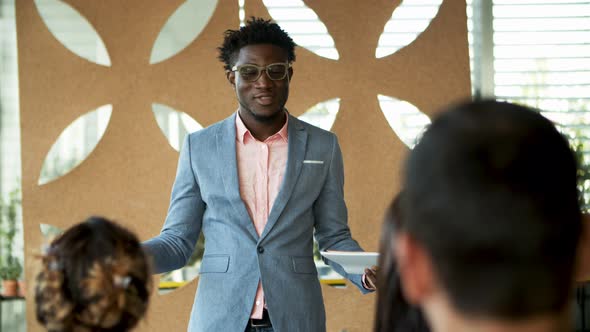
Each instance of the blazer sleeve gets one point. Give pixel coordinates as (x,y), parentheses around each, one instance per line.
(331,216)
(173,247)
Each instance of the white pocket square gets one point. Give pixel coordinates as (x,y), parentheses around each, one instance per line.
(313,161)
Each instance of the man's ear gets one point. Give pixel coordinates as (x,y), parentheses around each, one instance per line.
(290,73)
(415,269)
(231,77)
(583,259)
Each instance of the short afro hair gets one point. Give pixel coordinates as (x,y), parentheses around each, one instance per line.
(256,31)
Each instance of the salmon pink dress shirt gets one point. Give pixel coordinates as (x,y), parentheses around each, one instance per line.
(261,166)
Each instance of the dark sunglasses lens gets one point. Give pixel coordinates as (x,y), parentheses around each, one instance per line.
(249,73)
(277,71)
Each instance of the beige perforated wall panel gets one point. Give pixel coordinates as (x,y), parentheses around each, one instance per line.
(129,175)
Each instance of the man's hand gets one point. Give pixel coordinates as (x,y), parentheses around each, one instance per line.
(370,278)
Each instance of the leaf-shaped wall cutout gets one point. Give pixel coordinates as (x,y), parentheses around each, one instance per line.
(242,13)
(322,114)
(303,25)
(174,124)
(182,28)
(73,31)
(191,270)
(49,232)
(75,143)
(405,119)
(407,22)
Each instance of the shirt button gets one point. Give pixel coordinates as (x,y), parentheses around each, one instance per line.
(257,302)
(260,250)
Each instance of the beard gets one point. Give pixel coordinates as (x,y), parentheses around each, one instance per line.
(263,118)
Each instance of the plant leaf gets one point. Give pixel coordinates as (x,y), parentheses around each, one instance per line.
(183,26)
(304,26)
(407,22)
(174,124)
(75,144)
(405,119)
(322,114)
(77,35)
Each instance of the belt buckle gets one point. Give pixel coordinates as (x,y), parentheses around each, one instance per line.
(263,324)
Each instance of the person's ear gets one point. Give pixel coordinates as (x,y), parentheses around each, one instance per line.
(583,259)
(414,268)
(290,73)
(231,77)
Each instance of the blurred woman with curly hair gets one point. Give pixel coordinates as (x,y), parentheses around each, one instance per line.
(94,278)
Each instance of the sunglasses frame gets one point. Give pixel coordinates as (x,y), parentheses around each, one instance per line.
(261,69)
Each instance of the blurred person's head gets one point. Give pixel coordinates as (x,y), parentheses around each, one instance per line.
(491,220)
(94,277)
(583,272)
(394,313)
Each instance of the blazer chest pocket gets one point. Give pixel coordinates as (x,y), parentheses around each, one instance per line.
(312,175)
(313,166)
(304,265)
(214,264)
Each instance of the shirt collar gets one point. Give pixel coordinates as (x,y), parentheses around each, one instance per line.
(242,131)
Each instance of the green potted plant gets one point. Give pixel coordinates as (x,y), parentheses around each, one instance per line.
(10,267)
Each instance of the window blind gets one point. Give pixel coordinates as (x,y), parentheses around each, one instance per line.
(542,58)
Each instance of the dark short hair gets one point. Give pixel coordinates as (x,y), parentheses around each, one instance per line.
(490,192)
(256,31)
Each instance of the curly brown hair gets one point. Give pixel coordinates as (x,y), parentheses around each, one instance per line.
(95,277)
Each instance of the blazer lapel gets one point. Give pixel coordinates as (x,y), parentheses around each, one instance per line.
(228,171)
(296,154)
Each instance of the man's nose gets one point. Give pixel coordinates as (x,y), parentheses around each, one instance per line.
(264,81)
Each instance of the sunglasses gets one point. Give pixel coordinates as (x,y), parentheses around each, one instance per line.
(274,71)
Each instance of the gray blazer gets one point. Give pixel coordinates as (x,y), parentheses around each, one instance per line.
(206,197)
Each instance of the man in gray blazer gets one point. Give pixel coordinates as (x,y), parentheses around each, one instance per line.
(260,185)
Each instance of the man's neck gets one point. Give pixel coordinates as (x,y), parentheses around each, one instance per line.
(261,130)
